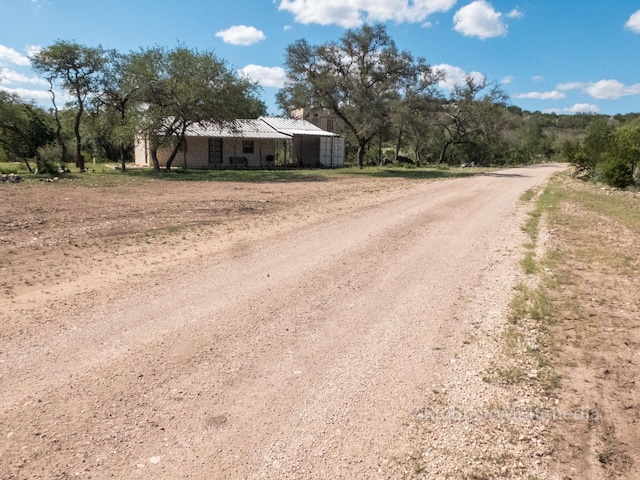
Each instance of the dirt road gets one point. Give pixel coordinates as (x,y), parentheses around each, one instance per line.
(298,349)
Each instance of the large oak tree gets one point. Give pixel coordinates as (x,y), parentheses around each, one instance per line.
(358,78)
(175,89)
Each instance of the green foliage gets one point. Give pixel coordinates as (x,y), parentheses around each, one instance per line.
(535,139)
(608,154)
(361,79)
(598,140)
(8,168)
(175,89)
(471,122)
(76,68)
(379,95)
(50,159)
(616,172)
(23,129)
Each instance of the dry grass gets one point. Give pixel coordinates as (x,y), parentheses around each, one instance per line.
(585,310)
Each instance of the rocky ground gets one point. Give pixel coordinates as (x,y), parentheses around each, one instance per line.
(330,328)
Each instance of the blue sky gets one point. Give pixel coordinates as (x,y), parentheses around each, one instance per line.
(562,56)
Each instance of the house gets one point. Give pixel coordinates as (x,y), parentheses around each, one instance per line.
(247,143)
(252,143)
(310,145)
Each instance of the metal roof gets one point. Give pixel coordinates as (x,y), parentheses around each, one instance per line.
(263,127)
(245,128)
(291,126)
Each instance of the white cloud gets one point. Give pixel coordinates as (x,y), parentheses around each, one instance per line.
(479,19)
(12,56)
(538,78)
(12,77)
(352,13)
(507,79)
(611,89)
(570,86)
(265,76)
(553,95)
(583,108)
(33,50)
(633,23)
(241,35)
(515,13)
(455,75)
(602,90)
(27,94)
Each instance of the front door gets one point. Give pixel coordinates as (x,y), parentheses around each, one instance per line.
(215,151)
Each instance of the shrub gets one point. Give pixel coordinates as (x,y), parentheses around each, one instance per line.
(50,156)
(615,172)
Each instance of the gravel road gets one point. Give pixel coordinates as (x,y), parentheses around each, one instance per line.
(302,354)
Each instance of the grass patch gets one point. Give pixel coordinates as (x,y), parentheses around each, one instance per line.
(511,375)
(13,167)
(519,304)
(110,175)
(529,264)
(529,195)
(591,326)
(621,207)
(417,173)
(598,261)
(528,339)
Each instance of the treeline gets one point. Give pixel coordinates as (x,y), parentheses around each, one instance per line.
(389,105)
(111,97)
(609,151)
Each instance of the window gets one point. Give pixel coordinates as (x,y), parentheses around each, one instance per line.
(329,125)
(247,146)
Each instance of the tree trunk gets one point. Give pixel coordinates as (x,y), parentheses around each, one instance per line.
(398,143)
(360,154)
(76,131)
(56,115)
(176,149)
(26,162)
(124,167)
(154,157)
(443,152)
(173,155)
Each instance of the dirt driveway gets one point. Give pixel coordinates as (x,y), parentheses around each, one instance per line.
(264,330)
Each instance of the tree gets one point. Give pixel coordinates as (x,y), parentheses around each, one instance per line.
(175,89)
(535,139)
(412,118)
(76,68)
(599,138)
(112,119)
(621,161)
(356,79)
(24,128)
(472,114)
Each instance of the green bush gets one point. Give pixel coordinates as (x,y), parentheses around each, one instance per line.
(615,173)
(50,156)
